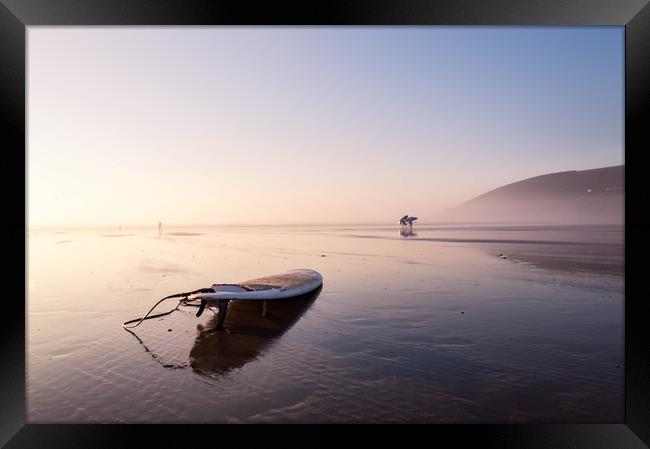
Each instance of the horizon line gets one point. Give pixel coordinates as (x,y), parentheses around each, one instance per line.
(278,225)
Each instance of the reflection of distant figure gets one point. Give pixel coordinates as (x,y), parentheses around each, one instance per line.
(407,231)
(406,220)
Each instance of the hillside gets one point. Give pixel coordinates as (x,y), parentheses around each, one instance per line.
(583,197)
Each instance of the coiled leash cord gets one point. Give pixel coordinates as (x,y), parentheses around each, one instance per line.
(177,295)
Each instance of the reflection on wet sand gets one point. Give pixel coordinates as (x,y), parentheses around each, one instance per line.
(247,333)
(407,231)
(425,330)
(116,235)
(564,258)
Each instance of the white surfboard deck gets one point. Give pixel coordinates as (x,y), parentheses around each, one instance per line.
(279,286)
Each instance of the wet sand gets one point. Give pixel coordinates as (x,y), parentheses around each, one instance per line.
(428,327)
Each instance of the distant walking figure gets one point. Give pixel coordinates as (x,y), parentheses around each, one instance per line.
(159,228)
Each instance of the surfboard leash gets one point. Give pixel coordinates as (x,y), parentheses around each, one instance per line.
(177,295)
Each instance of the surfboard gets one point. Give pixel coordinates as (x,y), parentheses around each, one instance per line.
(278,286)
(294,283)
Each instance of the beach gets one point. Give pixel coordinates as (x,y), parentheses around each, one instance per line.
(431,324)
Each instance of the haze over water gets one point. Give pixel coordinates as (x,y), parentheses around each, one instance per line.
(427,327)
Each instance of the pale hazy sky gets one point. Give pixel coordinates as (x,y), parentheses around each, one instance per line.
(225,125)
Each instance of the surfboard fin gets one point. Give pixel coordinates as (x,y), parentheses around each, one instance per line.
(201,308)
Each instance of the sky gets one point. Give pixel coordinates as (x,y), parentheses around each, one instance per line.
(308,125)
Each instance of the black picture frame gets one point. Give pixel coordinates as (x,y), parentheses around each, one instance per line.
(634,15)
